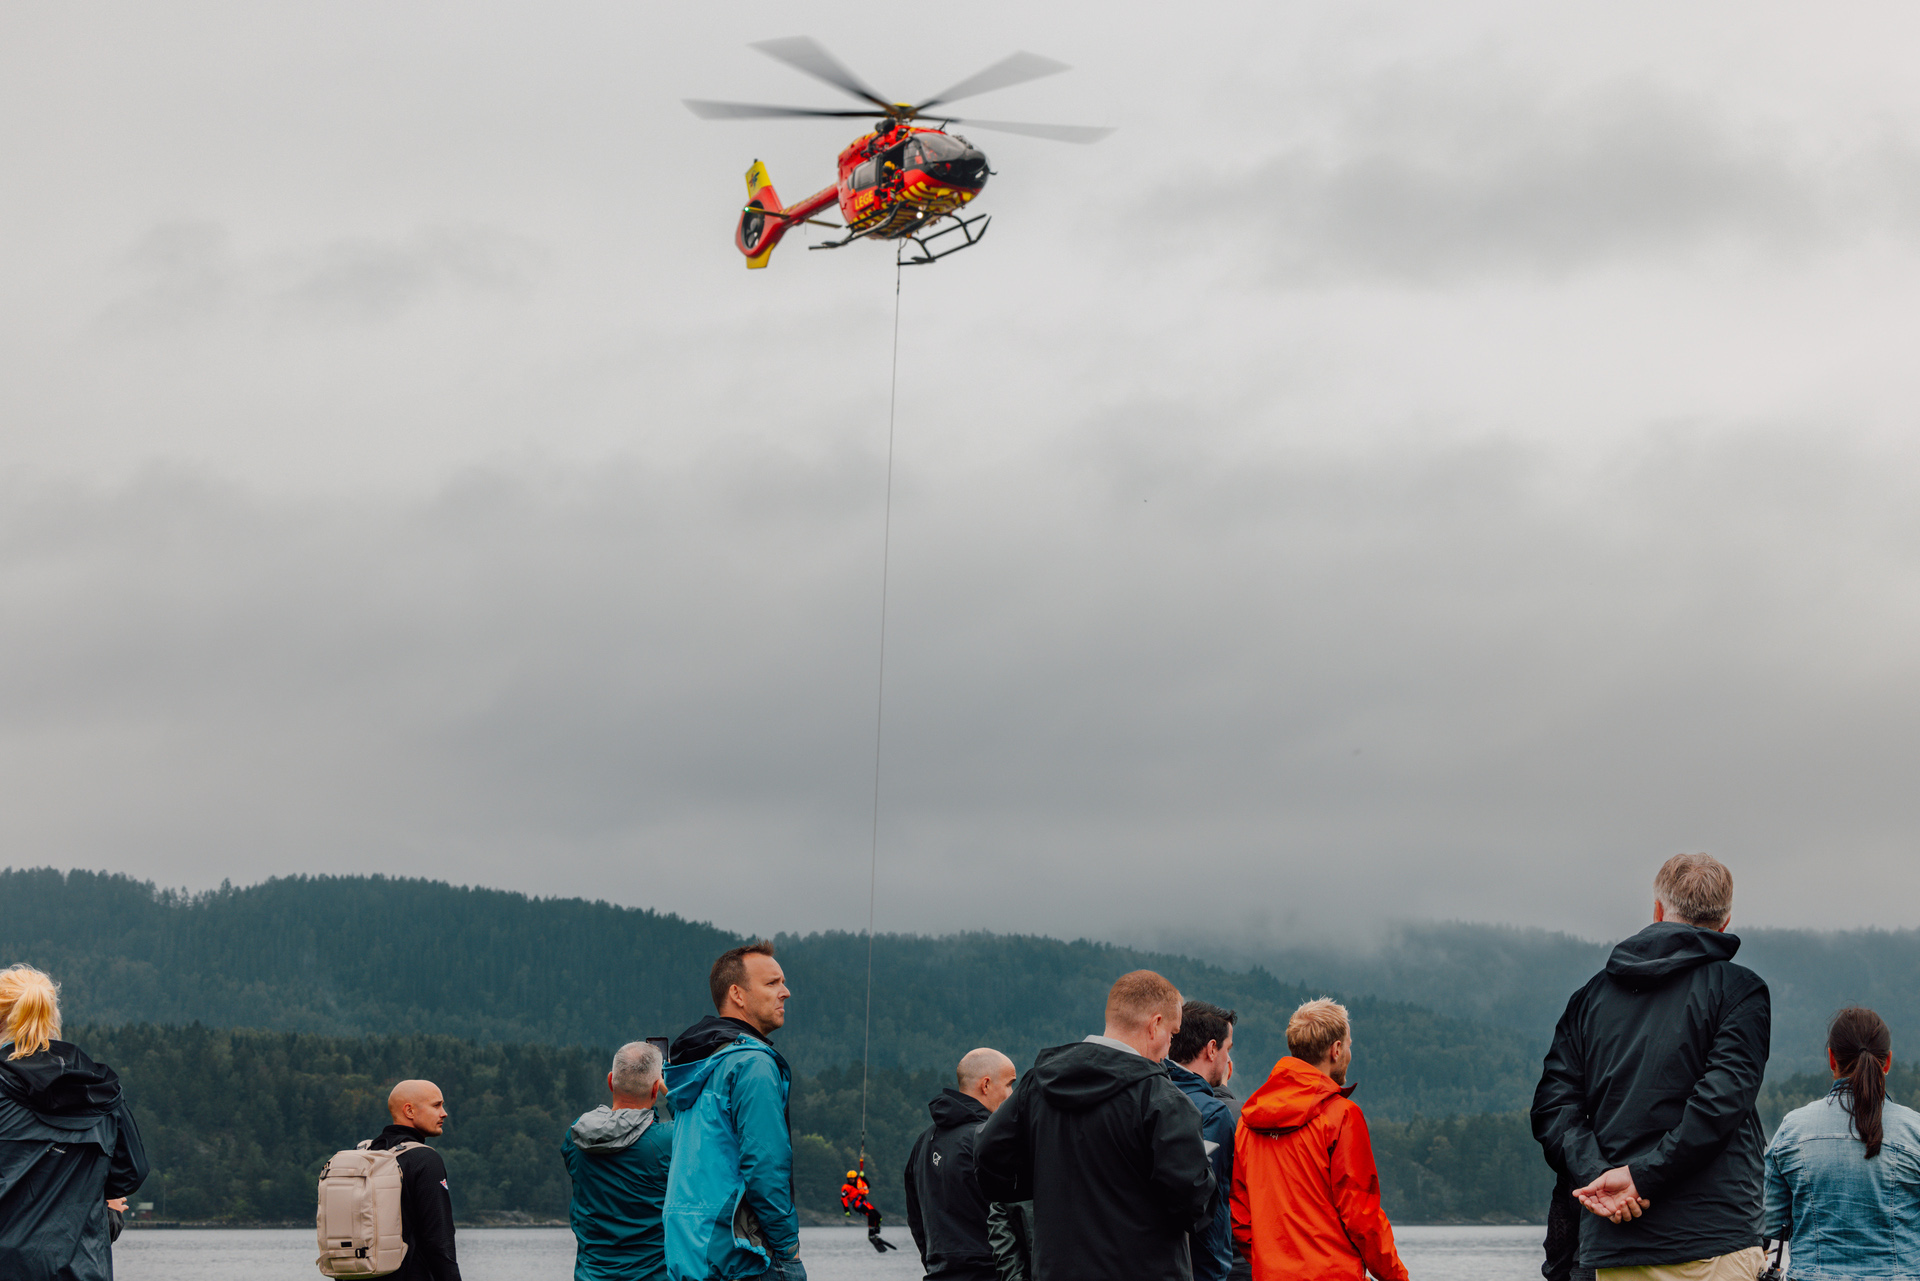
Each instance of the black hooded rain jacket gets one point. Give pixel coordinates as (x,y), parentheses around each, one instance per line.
(67,1144)
(1109,1151)
(946,1210)
(1655,1066)
(426,1208)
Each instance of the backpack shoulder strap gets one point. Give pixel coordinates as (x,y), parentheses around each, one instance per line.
(408,1146)
(363,1145)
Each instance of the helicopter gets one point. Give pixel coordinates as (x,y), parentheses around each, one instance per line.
(901,181)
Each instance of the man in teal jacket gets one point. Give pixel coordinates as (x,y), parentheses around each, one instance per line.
(617,1157)
(729,1212)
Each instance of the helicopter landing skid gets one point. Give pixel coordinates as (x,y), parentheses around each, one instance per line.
(928,254)
(965,226)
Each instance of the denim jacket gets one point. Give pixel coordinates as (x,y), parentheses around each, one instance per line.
(1846,1217)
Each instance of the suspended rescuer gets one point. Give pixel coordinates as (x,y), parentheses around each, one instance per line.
(617,1157)
(1646,1100)
(419,1113)
(1106,1147)
(67,1142)
(1199,1063)
(948,1214)
(856,1198)
(1306,1194)
(729,1211)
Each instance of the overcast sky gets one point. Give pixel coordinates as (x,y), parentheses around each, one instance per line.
(1431,461)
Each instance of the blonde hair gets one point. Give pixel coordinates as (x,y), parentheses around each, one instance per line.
(29,1010)
(1697,888)
(1135,998)
(1315,1028)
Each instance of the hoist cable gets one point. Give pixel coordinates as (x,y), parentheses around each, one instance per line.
(880,709)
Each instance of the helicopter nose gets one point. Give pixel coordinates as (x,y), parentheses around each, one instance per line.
(968,169)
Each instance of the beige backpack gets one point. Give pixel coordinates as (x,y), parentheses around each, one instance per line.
(359,1218)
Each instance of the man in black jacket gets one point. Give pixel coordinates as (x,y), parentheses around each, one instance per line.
(426,1206)
(1646,1102)
(1106,1147)
(946,1211)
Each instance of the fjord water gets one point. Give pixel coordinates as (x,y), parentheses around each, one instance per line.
(832,1254)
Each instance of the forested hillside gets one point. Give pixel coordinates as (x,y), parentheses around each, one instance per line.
(349,983)
(238,1123)
(369,956)
(1454,1022)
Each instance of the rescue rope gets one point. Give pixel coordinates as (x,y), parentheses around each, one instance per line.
(880,709)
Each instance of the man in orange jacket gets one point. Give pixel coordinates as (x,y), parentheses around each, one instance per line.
(1306,1197)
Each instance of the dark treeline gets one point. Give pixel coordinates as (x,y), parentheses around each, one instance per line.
(238,1123)
(370,956)
(1781,1094)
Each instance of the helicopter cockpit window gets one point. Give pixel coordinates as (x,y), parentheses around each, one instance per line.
(935,147)
(866,174)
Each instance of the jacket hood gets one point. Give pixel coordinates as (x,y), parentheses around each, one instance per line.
(605,1130)
(1292,1093)
(61,1081)
(1190,1082)
(1084,1075)
(708,1037)
(953,1109)
(1667,948)
(710,1042)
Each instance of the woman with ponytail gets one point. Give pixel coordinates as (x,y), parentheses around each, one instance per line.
(67,1142)
(1843,1174)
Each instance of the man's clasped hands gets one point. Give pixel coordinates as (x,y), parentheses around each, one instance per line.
(1612,1196)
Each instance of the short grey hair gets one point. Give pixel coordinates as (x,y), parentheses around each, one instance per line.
(636,1066)
(1697,888)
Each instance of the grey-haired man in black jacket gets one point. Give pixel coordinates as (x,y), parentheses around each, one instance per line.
(1646,1103)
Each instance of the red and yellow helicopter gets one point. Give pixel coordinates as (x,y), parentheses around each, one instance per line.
(899,181)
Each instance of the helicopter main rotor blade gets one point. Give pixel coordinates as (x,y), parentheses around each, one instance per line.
(804,53)
(1014,69)
(1056,133)
(754,111)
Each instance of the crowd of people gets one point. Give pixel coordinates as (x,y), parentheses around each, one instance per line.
(1124,1156)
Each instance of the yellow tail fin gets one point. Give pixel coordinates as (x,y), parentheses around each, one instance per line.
(759,191)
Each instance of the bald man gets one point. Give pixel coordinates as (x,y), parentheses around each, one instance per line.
(946,1211)
(426,1208)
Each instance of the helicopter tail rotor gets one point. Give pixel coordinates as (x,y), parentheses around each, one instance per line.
(757,233)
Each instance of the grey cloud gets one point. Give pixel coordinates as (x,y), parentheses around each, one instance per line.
(187,274)
(1436,174)
(1451,680)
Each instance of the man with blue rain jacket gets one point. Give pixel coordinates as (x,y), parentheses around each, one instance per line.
(1199,1062)
(729,1211)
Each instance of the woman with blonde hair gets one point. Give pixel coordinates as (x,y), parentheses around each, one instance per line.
(67,1142)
